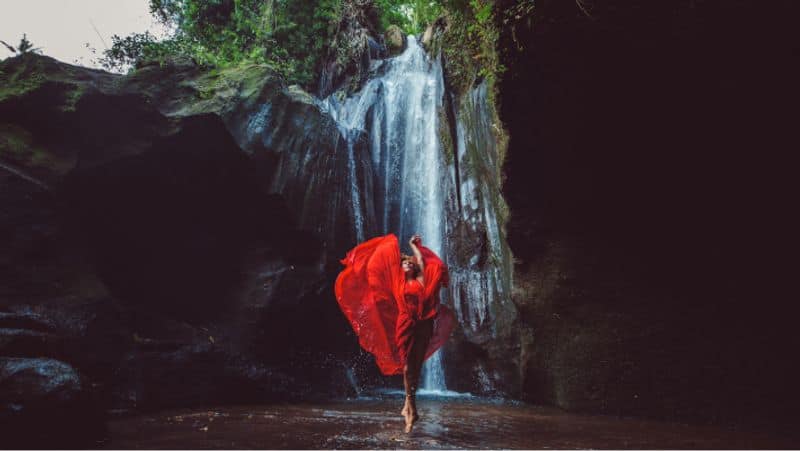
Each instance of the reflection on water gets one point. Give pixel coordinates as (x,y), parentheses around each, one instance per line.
(445,423)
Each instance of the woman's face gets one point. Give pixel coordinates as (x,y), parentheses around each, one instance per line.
(408,266)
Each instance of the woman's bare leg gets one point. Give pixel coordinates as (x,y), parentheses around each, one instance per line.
(417,369)
(411,376)
(409,409)
(412,369)
(407,389)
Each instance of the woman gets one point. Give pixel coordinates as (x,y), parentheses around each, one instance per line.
(392,302)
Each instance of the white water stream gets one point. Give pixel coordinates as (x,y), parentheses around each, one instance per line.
(398,112)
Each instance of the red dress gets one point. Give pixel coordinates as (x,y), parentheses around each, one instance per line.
(382,307)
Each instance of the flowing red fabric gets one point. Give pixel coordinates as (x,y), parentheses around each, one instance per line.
(374,296)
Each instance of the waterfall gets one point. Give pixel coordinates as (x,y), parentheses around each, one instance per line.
(398,112)
(410,170)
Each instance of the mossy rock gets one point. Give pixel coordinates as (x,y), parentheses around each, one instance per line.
(427,36)
(20,151)
(395,40)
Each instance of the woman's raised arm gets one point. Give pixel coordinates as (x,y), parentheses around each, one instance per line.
(418,255)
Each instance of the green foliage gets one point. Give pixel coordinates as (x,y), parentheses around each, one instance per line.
(482,10)
(303,32)
(128,51)
(412,16)
(289,35)
(15,81)
(292,36)
(470,44)
(26,46)
(393,13)
(488,34)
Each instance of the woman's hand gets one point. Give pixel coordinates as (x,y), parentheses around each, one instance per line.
(415,240)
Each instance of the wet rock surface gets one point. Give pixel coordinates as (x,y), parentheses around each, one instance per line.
(47,403)
(156,220)
(483,352)
(356,43)
(444,424)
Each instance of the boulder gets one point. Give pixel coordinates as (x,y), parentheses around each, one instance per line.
(395,40)
(427,36)
(46,403)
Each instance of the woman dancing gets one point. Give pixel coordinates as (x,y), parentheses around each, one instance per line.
(392,302)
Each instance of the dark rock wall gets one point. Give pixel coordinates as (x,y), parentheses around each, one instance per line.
(357,42)
(190,213)
(647,185)
(483,356)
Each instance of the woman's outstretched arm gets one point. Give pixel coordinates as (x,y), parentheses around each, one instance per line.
(418,255)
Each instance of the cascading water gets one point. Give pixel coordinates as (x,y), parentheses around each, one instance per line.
(398,111)
(405,178)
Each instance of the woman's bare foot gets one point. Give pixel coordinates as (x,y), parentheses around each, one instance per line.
(410,414)
(411,418)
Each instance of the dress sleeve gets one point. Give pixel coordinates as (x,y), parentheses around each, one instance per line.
(367,292)
(436,274)
(351,287)
(372,267)
(384,274)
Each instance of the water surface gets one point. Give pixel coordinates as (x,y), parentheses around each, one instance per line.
(446,423)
